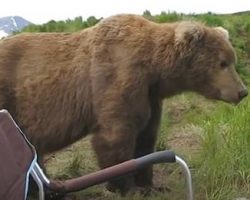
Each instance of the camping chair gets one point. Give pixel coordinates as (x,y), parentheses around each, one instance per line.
(19,162)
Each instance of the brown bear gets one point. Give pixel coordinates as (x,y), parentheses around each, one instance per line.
(110,80)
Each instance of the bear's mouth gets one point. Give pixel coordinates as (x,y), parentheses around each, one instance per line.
(233,97)
(216,94)
(234,101)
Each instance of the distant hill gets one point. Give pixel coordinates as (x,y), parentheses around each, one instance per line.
(247,12)
(10,24)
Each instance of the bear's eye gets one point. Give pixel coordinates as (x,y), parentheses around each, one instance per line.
(224,64)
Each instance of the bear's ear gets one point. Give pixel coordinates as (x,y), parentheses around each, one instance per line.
(189,33)
(223,32)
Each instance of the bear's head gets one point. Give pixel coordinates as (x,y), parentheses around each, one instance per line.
(206,62)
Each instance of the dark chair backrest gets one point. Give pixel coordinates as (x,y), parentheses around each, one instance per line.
(16,155)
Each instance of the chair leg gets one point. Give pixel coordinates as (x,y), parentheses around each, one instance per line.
(41,174)
(187,173)
(39,183)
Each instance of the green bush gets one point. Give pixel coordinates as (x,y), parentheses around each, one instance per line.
(167,17)
(211,20)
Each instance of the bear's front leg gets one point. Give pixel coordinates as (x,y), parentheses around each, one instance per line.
(145,143)
(113,146)
(122,111)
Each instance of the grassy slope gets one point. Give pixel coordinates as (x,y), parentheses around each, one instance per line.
(213,137)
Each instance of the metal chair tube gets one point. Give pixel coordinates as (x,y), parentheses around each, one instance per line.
(187,173)
(39,183)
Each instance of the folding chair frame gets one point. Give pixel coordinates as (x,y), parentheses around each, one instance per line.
(42,180)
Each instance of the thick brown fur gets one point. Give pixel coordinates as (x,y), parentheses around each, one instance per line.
(110,80)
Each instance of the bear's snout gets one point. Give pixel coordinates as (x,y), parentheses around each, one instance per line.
(243,93)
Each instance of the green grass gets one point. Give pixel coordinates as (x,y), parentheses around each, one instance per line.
(221,168)
(225,160)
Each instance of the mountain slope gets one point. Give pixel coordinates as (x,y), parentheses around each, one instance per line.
(10,24)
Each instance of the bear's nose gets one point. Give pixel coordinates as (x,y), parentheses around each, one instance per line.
(243,93)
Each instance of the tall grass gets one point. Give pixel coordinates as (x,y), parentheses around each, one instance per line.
(225,159)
